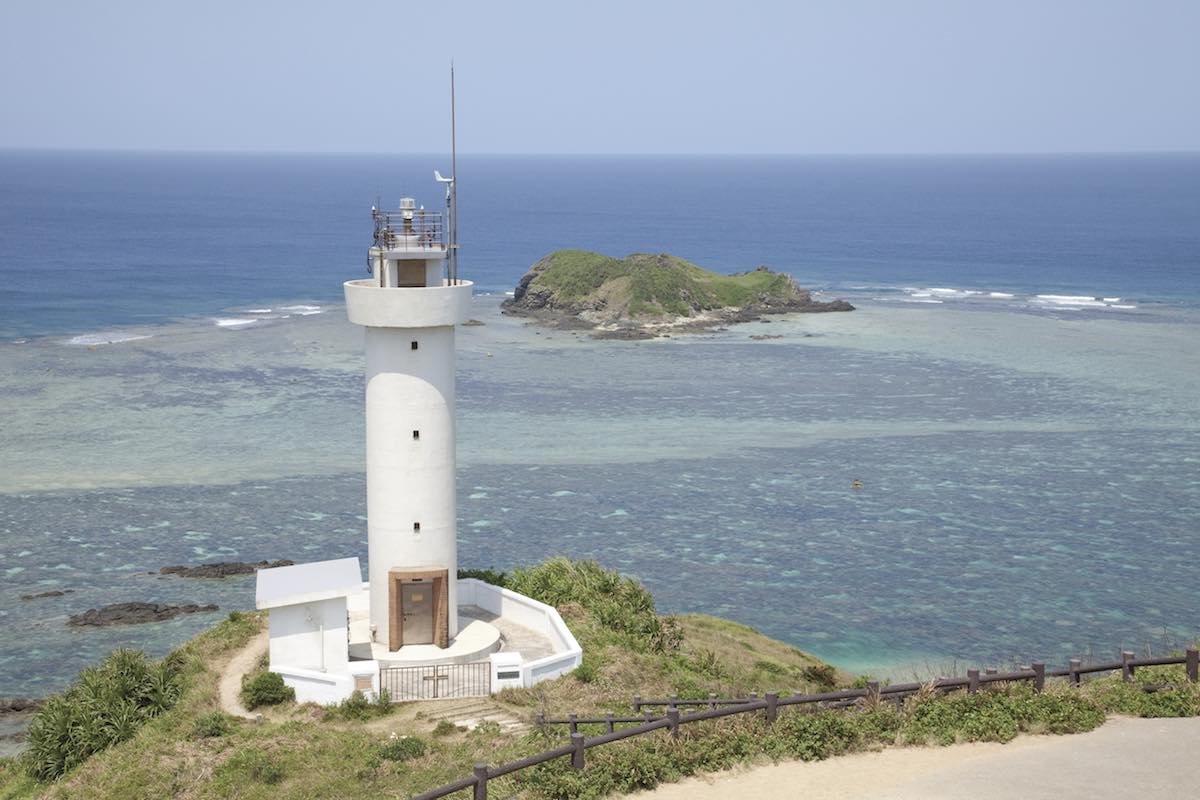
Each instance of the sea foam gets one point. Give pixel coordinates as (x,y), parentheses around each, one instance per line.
(113,337)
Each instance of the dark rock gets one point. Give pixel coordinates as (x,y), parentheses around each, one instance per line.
(471,323)
(19,705)
(762,336)
(51,593)
(626,334)
(133,614)
(222,569)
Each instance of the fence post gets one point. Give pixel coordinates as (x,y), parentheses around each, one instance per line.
(577,754)
(481,779)
(1073,667)
(873,691)
(1126,667)
(673,719)
(1193,664)
(608,721)
(772,706)
(541,719)
(712,700)
(574,721)
(972,681)
(753,696)
(674,701)
(1039,676)
(637,703)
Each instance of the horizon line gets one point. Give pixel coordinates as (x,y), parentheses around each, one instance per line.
(581,154)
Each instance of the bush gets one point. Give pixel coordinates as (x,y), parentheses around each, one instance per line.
(252,764)
(823,675)
(620,604)
(998,716)
(265,689)
(211,726)
(106,705)
(402,748)
(486,575)
(445,728)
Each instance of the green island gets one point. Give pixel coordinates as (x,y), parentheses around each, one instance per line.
(135,728)
(642,295)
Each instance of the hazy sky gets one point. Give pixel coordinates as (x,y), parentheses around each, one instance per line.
(838,76)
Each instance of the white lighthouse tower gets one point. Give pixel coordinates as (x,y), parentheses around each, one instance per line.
(409,307)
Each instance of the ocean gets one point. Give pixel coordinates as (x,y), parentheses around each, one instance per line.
(1018,394)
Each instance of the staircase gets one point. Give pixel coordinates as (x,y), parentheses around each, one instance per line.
(469,712)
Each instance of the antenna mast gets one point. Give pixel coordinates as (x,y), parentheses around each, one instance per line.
(453,184)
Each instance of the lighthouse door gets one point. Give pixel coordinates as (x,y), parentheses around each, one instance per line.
(416,607)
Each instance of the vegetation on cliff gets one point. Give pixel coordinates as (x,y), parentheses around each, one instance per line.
(192,749)
(591,289)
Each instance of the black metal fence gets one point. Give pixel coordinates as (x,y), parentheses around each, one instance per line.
(772,702)
(438,681)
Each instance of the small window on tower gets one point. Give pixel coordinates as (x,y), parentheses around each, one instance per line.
(414,345)
(416,435)
(416,527)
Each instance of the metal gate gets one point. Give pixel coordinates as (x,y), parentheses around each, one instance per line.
(437,681)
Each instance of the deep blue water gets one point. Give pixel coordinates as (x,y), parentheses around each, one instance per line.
(90,240)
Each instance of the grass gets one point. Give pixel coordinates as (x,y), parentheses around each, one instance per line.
(369,750)
(653,285)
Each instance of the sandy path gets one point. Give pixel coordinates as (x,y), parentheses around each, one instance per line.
(1146,758)
(230,684)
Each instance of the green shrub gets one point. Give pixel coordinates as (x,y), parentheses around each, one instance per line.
(488,728)
(588,670)
(998,716)
(106,705)
(620,604)
(445,728)
(211,726)
(265,689)
(402,748)
(823,675)
(486,575)
(252,764)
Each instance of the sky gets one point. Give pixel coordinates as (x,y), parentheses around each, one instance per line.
(842,76)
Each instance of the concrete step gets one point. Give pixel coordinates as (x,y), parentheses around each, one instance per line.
(470,714)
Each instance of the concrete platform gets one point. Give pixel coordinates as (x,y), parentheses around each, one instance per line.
(474,642)
(481,633)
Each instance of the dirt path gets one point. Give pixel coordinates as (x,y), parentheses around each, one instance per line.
(1124,758)
(230,684)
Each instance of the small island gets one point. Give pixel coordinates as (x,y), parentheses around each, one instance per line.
(642,296)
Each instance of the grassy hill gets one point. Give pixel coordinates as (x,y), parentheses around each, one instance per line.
(361,750)
(598,289)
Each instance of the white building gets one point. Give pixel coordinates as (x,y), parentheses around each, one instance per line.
(413,613)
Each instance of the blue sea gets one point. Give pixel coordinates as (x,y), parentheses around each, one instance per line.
(1018,394)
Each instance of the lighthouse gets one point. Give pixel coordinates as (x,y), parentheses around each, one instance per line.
(409,308)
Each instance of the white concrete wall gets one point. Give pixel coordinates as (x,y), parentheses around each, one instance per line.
(323,688)
(410,481)
(297,639)
(532,614)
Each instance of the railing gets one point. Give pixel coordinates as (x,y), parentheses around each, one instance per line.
(437,681)
(772,702)
(409,230)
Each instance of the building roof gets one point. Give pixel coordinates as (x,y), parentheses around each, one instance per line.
(307,583)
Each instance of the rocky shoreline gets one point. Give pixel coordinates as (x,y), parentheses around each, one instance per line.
(222,569)
(133,614)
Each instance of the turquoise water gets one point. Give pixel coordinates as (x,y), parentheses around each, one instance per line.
(1018,395)
(1030,484)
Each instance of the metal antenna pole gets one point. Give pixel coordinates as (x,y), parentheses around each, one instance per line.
(454,185)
